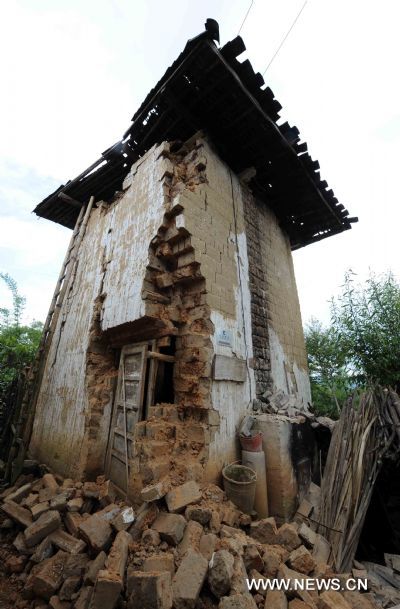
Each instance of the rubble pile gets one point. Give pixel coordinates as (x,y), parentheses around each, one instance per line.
(67,544)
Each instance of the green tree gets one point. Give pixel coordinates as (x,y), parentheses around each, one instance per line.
(18,342)
(361,345)
(366,319)
(328,363)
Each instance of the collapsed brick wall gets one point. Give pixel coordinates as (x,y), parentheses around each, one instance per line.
(172,443)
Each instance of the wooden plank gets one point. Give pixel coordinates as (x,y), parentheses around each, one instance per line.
(226,368)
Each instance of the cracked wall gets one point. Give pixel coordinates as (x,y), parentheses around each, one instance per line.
(170,256)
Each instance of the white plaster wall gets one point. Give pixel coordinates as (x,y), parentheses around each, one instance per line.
(112,260)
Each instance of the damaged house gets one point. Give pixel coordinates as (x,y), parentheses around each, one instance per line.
(176,311)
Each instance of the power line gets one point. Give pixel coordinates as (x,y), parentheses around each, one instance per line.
(245,17)
(286,35)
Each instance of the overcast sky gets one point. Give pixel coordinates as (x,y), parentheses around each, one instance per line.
(74,71)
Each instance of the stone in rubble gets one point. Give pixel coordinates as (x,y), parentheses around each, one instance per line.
(75,504)
(91,490)
(20,544)
(332,600)
(84,598)
(272,560)
(64,541)
(220,573)
(96,532)
(59,502)
(46,494)
(39,508)
(7,524)
(72,520)
(124,519)
(188,580)
(20,493)
(118,556)
(46,578)
(307,535)
(30,500)
(44,550)
(153,492)
(149,590)
(359,601)
(276,599)
(56,603)
(288,537)
(17,513)
(75,565)
(215,522)
(301,560)
(151,537)
(181,496)
(15,564)
(50,482)
(94,567)
(159,563)
(230,515)
(200,514)
(170,527)
(252,558)
(108,493)
(257,576)
(68,483)
(264,531)
(145,517)
(321,550)
(208,543)
(107,590)
(69,587)
(296,603)
(38,530)
(191,537)
(237,601)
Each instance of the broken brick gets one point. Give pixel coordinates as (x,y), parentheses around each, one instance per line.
(17,513)
(220,573)
(107,590)
(64,541)
(46,578)
(264,530)
(288,537)
(38,530)
(181,496)
(188,580)
(170,527)
(191,537)
(301,560)
(149,590)
(96,532)
(118,556)
(39,508)
(160,562)
(94,567)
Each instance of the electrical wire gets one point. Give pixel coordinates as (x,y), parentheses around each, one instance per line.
(245,17)
(286,35)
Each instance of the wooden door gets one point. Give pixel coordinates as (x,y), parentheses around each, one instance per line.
(127,411)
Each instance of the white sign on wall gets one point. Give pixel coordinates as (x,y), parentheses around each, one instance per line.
(224,337)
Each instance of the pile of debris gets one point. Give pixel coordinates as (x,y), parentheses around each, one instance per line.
(70,544)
